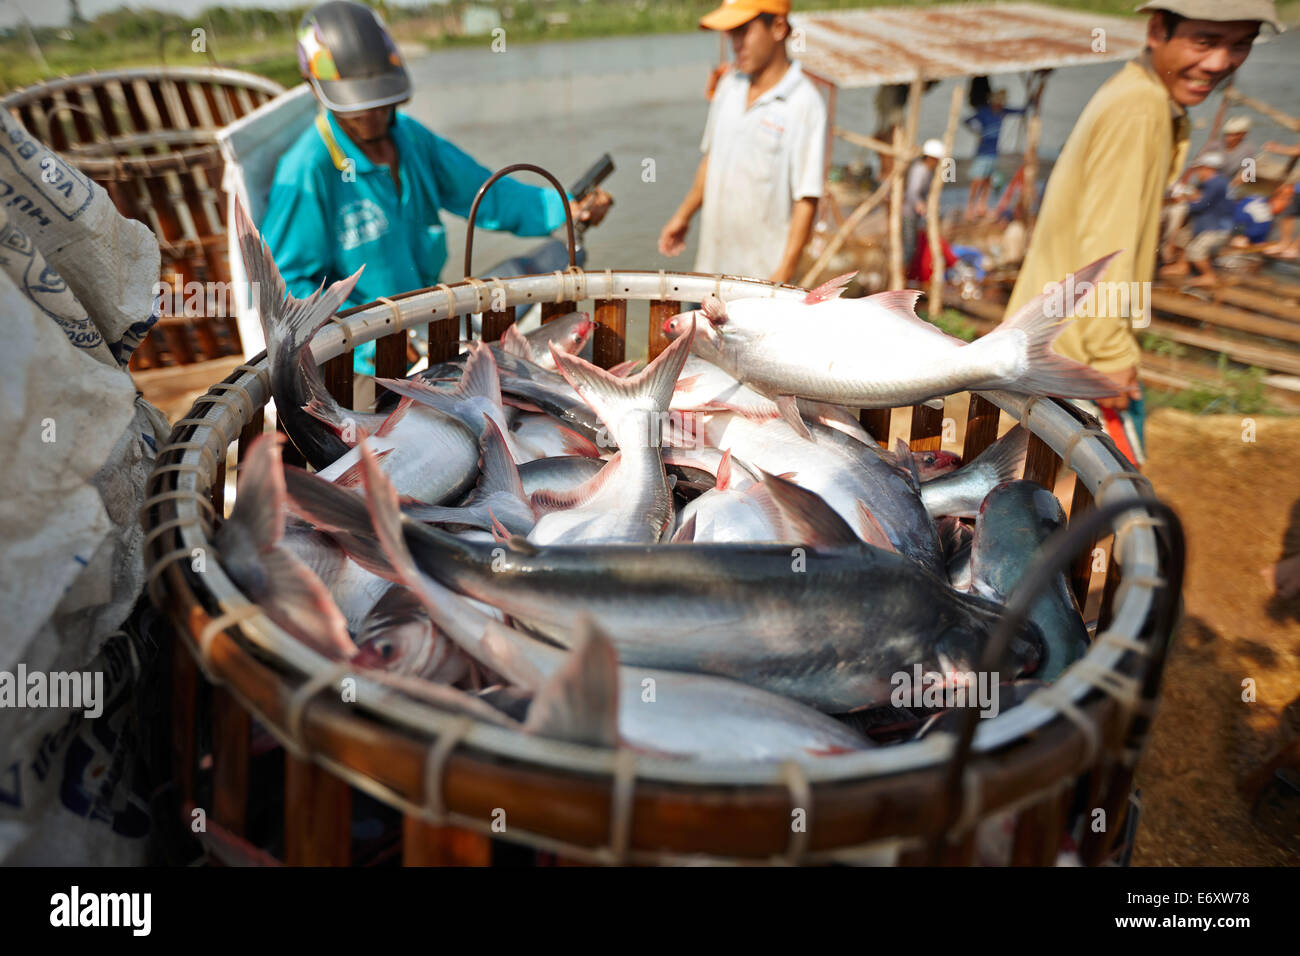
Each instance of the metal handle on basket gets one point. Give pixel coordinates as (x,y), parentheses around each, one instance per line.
(1065,544)
(506,171)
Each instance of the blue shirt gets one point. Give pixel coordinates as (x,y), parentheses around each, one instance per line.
(987,124)
(1214,210)
(1253,218)
(322,224)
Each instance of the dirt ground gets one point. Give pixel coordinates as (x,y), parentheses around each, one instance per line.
(1234,497)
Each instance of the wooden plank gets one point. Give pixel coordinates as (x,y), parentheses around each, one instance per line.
(80,122)
(1188,306)
(390,356)
(1269,303)
(876,422)
(981,427)
(426,845)
(927,428)
(1041,463)
(444,340)
(935,304)
(553,310)
(609,341)
(1274,358)
(231,740)
(338,378)
(1037,837)
(317,816)
(496,323)
(1081,571)
(659,313)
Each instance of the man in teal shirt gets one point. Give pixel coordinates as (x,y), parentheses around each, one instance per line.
(364,185)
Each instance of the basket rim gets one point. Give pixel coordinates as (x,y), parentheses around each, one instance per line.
(1086,451)
(221,74)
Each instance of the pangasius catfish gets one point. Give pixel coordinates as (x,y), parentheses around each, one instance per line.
(876,353)
(827,627)
(688,715)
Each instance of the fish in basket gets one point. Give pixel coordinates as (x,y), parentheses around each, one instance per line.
(703,561)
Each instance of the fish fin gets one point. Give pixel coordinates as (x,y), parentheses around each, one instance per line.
(517,542)
(351,478)
(685,383)
(807,515)
(906,461)
(395,416)
(900,302)
(298,601)
(341,513)
(831,289)
(514,343)
(544,500)
(953,534)
(789,408)
(480,377)
(1046,372)
(724,471)
(499,531)
(686,533)
(624,369)
(498,469)
(501,652)
(423,391)
(871,530)
(1006,456)
(288,323)
(611,397)
(714,309)
(576,444)
(261,497)
(523,404)
(579,703)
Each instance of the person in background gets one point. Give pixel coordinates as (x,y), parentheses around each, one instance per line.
(1210,219)
(916,193)
(1108,185)
(986,123)
(1287,245)
(1237,149)
(1253,216)
(764,149)
(364,185)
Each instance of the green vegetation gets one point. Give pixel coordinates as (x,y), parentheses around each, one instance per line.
(1238,391)
(262,41)
(953,323)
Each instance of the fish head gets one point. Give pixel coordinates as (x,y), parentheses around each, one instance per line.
(397,635)
(932,464)
(577,337)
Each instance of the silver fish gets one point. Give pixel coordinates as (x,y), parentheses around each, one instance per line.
(882,355)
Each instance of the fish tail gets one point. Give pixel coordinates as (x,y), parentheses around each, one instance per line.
(288,322)
(579,702)
(342,514)
(650,390)
(1005,458)
(499,471)
(1040,321)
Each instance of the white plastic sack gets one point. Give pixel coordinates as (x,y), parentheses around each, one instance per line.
(76,446)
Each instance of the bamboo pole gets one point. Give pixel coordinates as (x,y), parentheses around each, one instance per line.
(896,215)
(1029,187)
(934,304)
(904,152)
(843,232)
(1276,115)
(870,142)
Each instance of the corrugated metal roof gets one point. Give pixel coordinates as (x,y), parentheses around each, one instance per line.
(856,48)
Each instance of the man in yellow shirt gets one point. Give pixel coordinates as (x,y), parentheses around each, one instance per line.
(1106,190)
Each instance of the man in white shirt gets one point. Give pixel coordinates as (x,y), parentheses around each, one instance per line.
(764,151)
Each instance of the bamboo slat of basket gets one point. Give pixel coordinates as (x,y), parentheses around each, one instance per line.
(609,340)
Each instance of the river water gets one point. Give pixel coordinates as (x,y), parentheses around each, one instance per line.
(641,99)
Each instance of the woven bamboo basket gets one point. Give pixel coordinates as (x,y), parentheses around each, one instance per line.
(462,786)
(148,136)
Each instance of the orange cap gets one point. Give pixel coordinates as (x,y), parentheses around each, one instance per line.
(734,13)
